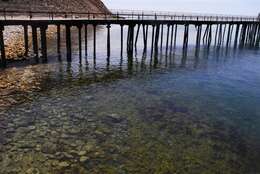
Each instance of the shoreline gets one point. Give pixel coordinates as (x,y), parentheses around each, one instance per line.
(14,42)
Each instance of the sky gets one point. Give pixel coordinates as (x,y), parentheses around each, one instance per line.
(236,7)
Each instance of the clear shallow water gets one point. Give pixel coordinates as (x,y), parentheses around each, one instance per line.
(184,114)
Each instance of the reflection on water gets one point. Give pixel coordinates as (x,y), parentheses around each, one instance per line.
(181,113)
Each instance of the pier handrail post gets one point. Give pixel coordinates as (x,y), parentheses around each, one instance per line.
(117,15)
(30,15)
(5,13)
(142,15)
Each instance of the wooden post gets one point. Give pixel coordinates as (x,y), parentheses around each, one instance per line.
(26,42)
(152,46)
(209,35)
(86,40)
(94,41)
(145,32)
(236,35)
(257,37)
(224,33)
(2,47)
(220,35)
(172,32)
(231,34)
(216,35)
(58,39)
(175,35)
(122,39)
(108,40)
(162,36)
(228,35)
(198,38)
(35,42)
(167,39)
(68,43)
(80,41)
(137,34)
(242,35)
(43,30)
(157,34)
(186,37)
(205,34)
(254,35)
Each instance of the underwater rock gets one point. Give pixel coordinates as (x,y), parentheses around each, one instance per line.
(33,171)
(31,127)
(68,156)
(88,97)
(74,131)
(49,148)
(89,147)
(114,118)
(83,159)
(82,153)
(63,164)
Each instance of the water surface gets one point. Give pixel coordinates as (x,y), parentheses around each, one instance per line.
(179,113)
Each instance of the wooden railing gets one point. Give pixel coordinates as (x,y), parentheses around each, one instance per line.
(6,14)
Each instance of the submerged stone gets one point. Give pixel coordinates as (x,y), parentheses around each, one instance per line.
(114,118)
(49,148)
(33,171)
(64,164)
(82,153)
(83,159)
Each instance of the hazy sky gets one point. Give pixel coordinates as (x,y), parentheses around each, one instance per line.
(246,7)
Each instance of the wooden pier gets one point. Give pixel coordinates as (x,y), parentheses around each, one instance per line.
(210,30)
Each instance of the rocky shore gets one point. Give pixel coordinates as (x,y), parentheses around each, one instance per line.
(14,42)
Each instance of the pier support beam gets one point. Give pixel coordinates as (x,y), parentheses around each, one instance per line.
(2,47)
(162,36)
(171,44)
(236,35)
(167,38)
(145,36)
(80,41)
(108,40)
(68,43)
(137,35)
(43,30)
(86,40)
(94,42)
(152,46)
(198,38)
(243,36)
(122,39)
(35,42)
(130,40)
(175,35)
(26,40)
(186,37)
(209,38)
(156,42)
(58,39)
(257,42)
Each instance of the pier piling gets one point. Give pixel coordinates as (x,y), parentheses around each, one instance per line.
(26,40)
(68,43)
(35,42)
(2,47)
(43,30)
(58,39)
